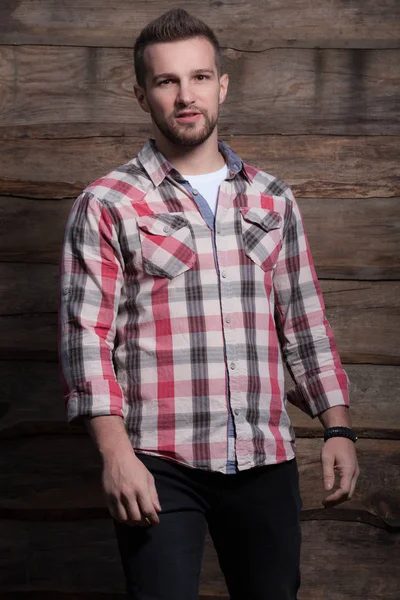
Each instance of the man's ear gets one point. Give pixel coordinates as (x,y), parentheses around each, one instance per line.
(223,87)
(141,97)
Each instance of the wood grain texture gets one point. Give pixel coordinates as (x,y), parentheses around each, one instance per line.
(358,237)
(32,402)
(27,337)
(82,558)
(57,477)
(40,225)
(279,91)
(375,410)
(250,25)
(323,167)
(364,315)
(28,288)
(348,560)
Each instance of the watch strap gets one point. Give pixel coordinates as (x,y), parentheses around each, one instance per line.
(346,432)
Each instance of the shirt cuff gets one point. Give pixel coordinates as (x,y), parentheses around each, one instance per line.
(94,399)
(320,392)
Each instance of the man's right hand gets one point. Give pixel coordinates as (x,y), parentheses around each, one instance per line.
(130,490)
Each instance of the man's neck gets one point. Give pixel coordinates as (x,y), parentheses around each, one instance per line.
(197,160)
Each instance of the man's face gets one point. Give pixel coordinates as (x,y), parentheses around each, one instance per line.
(183,90)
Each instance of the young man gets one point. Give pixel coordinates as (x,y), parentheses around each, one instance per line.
(186,279)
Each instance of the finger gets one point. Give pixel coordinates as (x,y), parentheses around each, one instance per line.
(352,487)
(154,496)
(134,515)
(333,499)
(346,477)
(117,510)
(342,493)
(328,473)
(353,483)
(147,508)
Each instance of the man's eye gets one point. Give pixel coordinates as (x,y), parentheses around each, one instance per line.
(165,81)
(202,77)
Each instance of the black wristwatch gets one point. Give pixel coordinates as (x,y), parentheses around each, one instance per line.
(340,432)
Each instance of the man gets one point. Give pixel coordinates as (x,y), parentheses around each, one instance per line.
(186,279)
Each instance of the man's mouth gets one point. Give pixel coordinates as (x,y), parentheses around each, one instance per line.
(188,116)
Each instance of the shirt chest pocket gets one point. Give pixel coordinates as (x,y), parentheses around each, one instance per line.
(262,235)
(167,244)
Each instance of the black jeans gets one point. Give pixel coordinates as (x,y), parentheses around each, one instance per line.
(253,518)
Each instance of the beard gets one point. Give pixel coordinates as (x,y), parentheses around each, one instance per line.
(186,134)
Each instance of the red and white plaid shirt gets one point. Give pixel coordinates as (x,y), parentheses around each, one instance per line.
(179,323)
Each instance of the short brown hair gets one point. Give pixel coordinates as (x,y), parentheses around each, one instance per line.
(174,25)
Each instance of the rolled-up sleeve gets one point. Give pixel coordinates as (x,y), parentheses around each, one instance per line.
(90,284)
(306,338)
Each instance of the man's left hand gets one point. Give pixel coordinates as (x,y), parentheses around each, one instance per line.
(339,455)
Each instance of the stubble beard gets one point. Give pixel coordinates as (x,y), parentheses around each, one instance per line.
(186,134)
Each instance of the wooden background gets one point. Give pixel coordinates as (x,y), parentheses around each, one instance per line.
(314,100)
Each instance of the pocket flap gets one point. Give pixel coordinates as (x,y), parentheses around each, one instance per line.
(267,219)
(161,224)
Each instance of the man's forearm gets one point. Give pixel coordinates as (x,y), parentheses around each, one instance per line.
(337,416)
(109,434)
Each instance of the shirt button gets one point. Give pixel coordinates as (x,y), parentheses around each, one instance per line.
(236,411)
(233,366)
(166,229)
(219,230)
(227,320)
(223,274)
(195,192)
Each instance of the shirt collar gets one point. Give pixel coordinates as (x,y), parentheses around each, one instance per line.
(157,166)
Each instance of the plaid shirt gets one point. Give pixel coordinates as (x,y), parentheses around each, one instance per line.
(178,321)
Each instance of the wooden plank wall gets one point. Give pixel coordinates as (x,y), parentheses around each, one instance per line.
(313,99)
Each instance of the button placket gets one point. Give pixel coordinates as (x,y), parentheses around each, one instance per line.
(186,188)
(230,334)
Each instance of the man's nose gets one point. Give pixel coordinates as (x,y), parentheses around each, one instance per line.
(186,94)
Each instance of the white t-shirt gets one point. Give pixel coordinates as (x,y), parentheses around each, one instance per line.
(208,185)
